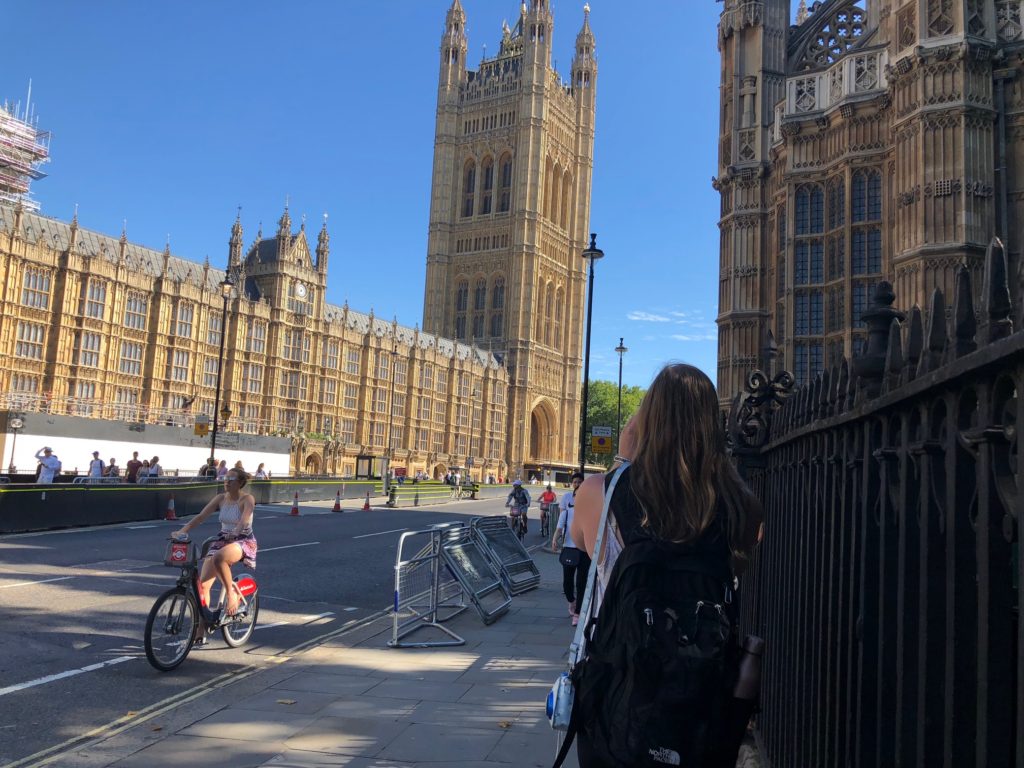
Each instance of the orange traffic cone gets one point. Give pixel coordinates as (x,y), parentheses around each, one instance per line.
(295,505)
(366,504)
(337,501)
(169,514)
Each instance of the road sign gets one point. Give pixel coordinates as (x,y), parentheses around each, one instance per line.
(600,444)
(202,426)
(601,431)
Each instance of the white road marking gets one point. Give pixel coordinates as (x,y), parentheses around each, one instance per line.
(62,675)
(308,619)
(268,626)
(289,546)
(380,533)
(349,610)
(139,527)
(30,583)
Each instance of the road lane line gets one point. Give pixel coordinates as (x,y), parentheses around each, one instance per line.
(62,675)
(380,533)
(50,755)
(30,583)
(289,546)
(140,527)
(268,626)
(310,619)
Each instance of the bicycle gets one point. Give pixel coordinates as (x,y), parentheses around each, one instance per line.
(179,617)
(517,521)
(545,519)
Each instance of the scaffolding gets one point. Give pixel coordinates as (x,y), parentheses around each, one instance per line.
(23,148)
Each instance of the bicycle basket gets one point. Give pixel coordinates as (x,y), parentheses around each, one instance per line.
(180,554)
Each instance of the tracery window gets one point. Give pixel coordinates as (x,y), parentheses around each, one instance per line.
(181,322)
(834,35)
(96,298)
(487,186)
(866,216)
(461,305)
(468,188)
(135,310)
(505,185)
(35,289)
(808,276)
(497,305)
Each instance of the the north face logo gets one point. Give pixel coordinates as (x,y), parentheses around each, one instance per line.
(664,755)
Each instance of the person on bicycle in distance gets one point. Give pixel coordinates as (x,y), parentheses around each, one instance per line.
(547,499)
(236,541)
(519,501)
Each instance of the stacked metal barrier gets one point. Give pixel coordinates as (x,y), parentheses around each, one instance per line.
(462,554)
(423,588)
(506,553)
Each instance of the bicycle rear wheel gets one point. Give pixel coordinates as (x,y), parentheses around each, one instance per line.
(171,628)
(238,629)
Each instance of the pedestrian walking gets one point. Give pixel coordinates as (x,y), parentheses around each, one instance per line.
(155,470)
(96,466)
(222,469)
(112,469)
(260,473)
(49,465)
(574,559)
(132,468)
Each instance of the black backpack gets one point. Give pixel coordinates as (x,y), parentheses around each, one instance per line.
(662,659)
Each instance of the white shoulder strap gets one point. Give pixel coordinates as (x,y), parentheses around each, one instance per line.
(579,641)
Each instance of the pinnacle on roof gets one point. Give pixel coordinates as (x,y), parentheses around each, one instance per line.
(585,32)
(801,12)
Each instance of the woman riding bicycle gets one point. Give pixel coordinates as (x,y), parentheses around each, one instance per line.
(236,541)
(547,503)
(518,501)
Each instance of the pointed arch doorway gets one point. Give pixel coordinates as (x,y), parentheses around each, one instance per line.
(543,432)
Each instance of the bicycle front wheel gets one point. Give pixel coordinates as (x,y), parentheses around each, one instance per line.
(239,628)
(171,629)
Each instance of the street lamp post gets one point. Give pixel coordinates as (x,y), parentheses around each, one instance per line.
(388,449)
(591,254)
(225,292)
(15,424)
(618,414)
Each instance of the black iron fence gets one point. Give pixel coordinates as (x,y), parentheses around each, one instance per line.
(887,583)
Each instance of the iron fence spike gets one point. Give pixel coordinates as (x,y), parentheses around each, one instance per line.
(997,292)
(965,325)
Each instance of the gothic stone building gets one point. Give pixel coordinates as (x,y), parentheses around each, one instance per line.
(877,140)
(92,325)
(509,214)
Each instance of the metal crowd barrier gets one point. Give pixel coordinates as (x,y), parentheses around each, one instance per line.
(423,588)
(462,553)
(506,553)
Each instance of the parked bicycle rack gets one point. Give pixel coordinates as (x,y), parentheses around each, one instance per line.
(423,588)
(506,553)
(466,560)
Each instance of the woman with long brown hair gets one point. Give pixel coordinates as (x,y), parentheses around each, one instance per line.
(679,493)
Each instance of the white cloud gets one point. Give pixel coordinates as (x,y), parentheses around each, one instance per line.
(694,337)
(647,317)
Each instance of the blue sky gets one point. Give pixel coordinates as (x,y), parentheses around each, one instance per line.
(173,115)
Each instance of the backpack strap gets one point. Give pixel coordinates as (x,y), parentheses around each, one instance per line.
(570,737)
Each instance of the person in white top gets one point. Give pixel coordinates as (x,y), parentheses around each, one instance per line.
(575,561)
(50,465)
(96,466)
(155,470)
(236,541)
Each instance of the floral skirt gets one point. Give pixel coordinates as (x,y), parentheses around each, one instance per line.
(246,542)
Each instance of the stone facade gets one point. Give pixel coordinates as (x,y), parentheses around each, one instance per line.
(877,140)
(93,325)
(509,217)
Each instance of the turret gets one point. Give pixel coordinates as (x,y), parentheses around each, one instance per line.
(453,47)
(584,65)
(323,248)
(235,243)
(538,29)
(284,234)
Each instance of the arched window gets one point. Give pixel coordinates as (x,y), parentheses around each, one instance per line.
(566,198)
(487,191)
(549,188)
(505,184)
(549,303)
(867,196)
(538,315)
(468,188)
(559,303)
(497,306)
(866,210)
(556,194)
(461,305)
(479,305)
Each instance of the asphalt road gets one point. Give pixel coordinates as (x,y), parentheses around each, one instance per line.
(73,606)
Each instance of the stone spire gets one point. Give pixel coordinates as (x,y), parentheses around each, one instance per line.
(801,12)
(323,247)
(235,243)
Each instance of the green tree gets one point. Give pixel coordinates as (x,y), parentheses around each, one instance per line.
(602,406)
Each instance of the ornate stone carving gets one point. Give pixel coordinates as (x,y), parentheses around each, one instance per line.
(1008,20)
(747,145)
(906,26)
(976,18)
(834,34)
(909,197)
(806,94)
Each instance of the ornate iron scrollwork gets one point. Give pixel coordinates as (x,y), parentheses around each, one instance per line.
(750,415)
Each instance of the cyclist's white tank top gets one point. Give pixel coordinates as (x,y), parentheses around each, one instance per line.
(230,516)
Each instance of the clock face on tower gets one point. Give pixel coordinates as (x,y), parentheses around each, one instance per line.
(300,290)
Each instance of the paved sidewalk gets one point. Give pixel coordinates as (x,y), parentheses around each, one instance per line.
(355,702)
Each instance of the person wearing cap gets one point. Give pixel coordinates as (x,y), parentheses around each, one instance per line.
(49,463)
(96,466)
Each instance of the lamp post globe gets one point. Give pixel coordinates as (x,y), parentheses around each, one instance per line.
(621,349)
(591,254)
